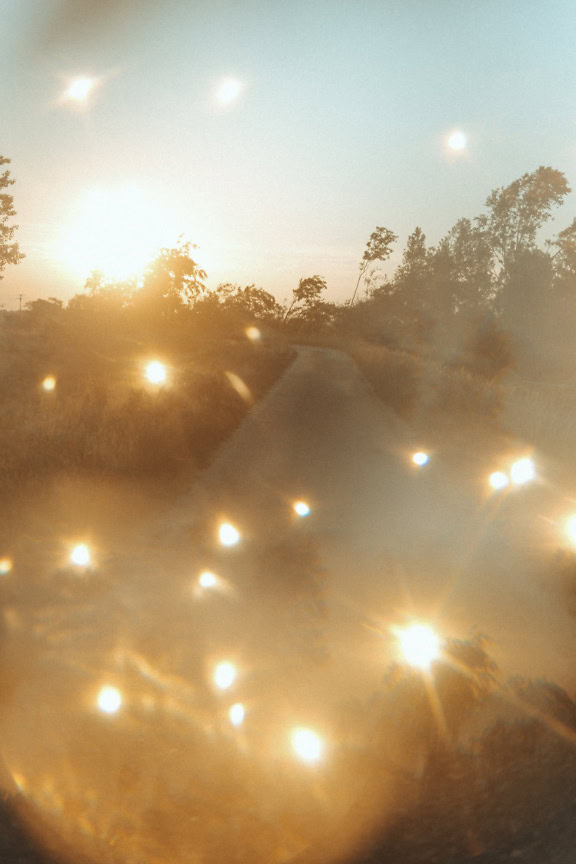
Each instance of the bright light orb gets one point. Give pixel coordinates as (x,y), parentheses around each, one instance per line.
(80,555)
(523,471)
(228,534)
(301,508)
(109,700)
(156,372)
(420,458)
(420,645)
(236,714)
(307,745)
(571,529)
(224,675)
(457,141)
(49,383)
(228,91)
(208,579)
(498,480)
(79,89)
(254,334)
(5,566)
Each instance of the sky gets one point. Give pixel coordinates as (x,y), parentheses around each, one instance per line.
(339,124)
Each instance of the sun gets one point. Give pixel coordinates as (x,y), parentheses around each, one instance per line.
(117,231)
(457,140)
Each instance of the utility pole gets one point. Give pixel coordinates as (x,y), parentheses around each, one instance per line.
(20,296)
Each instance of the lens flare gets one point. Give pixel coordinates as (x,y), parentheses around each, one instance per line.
(80,88)
(254,334)
(301,508)
(457,140)
(236,714)
(228,534)
(571,529)
(156,372)
(523,471)
(228,91)
(224,675)
(420,458)
(498,480)
(208,579)
(420,645)
(80,555)
(49,383)
(307,745)
(109,700)
(5,566)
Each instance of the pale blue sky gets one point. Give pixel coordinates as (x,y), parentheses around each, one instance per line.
(340,125)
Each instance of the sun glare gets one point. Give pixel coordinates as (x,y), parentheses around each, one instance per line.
(419,645)
(236,714)
(116,231)
(109,700)
(307,745)
(571,529)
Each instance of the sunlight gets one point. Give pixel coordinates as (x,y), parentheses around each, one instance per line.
(523,471)
(224,675)
(229,90)
(80,555)
(79,89)
(571,529)
(307,745)
(420,458)
(116,231)
(236,714)
(156,372)
(457,140)
(5,566)
(49,383)
(228,534)
(109,700)
(498,480)
(419,644)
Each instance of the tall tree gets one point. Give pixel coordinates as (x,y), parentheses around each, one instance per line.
(9,250)
(517,212)
(172,282)
(378,248)
(306,295)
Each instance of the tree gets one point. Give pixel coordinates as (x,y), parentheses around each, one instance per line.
(378,248)
(461,270)
(306,295)
(518,211)
(9,251)
(172,282)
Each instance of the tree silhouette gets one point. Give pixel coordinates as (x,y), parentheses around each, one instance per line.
(378,248)
(9,250)
(306,295)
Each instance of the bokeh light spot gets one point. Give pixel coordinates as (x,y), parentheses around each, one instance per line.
(498,480)
(49,383)
(208,579)
(80,88)
(109,700)
(301,508)
(224,675)
(420,458)
(307,745)
(228,91)
(254,334)
(522,471)
(236,714)
(228,534)
(156,372)
(80,555)
(5,566)
(457,140)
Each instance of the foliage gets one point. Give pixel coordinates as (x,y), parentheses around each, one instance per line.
(378,248)
(9,249)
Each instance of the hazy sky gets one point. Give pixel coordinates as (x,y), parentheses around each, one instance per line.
(340,126)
